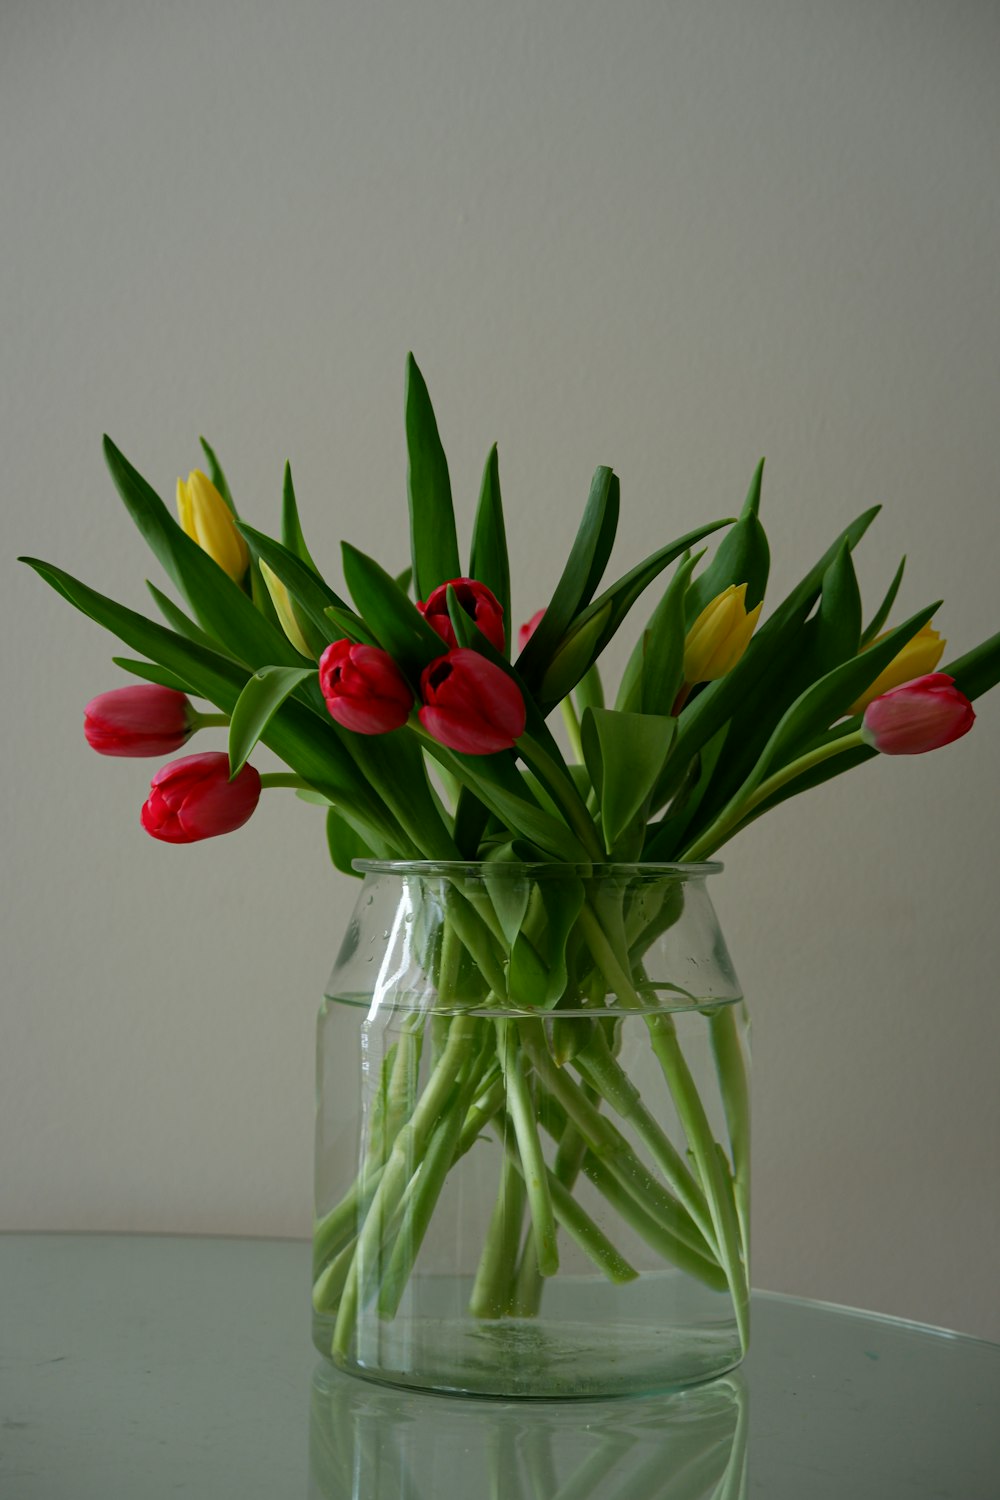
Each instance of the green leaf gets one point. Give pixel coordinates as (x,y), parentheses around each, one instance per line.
(589,691)
(743,557)
(665,839)
(217,475)
(490,780)
(625,753)
(836,631)
(291,527)
(806,721)
(561,901)
(404,580)
(751,685)
(537,745)
(345,844)
(509,888)
(395,621)
(433,539)
(150,672)
(215,677)
(830,697)
(346,623)
(978,670)
(593,629)
(311,594)
(219,605)
(392,764)
(751,504)
(583,572)
(488,560)
(256,706)
(882,613)
(652,678)
(183,624)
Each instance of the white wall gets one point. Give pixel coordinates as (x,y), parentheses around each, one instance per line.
(669,237)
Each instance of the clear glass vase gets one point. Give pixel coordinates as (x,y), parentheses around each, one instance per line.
(532,1146)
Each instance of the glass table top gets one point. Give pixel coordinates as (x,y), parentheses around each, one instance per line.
(159,1366)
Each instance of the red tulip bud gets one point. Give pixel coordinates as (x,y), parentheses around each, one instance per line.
(140,720)
(527,630)
(470,704)
(477,601)
(920,715)
(193,798)
(364,689)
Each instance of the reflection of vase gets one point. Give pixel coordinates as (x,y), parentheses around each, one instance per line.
(370,1442)
(532,1138)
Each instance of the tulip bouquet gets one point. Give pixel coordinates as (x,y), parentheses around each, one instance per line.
(407,716)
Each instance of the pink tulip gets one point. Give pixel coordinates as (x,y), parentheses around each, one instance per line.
(527,630)
(917,716)
(193,798)
(141,720)
(478,602)
(470,704)
(364,689)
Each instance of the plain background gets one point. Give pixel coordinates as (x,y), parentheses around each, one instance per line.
(667,237)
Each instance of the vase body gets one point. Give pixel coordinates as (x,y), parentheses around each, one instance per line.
(532,1149)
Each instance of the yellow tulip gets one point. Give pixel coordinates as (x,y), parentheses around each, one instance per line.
(207,519)
(919,656)
(284,608)
(719,636)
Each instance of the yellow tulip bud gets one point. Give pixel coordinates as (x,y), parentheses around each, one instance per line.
(719,636)
(207,519)
(284,608)
(919,656)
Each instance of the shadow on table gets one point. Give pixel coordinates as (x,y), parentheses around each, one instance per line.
(372,1442)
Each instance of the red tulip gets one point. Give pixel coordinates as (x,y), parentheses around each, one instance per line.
(140,720)
(527,630)
(477,601)
(193,798)
(917,716)
(470,704)
(364,689)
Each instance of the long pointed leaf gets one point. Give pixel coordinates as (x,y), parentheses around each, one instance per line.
(579,579)
(151,672)
(978,670)
(395,621)
(743,557)
(313,596)
(291,527)
(882,613)
(184,625)
(593,629)
(217,475)
(433,538)
(488,561)
(218,604)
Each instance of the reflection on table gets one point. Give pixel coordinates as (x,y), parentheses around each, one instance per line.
(371,1442)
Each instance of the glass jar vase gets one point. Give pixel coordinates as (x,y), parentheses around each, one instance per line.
(532,1144)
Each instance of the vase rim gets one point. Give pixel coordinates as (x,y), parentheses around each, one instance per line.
(589,870)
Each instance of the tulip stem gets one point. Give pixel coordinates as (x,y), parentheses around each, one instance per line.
(284,778)
(205,721)
(741,807)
